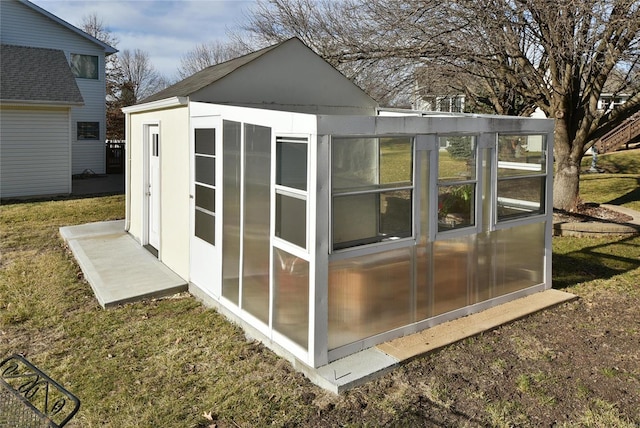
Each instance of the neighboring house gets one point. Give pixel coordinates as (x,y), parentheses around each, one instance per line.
(439,103)
(323,225)
(608,101)
(52,114)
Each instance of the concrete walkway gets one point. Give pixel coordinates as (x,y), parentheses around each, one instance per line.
(118,269)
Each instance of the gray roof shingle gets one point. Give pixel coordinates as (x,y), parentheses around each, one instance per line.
(37,76)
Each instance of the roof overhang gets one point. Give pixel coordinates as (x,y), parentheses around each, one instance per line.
(108,49)
(157,105)
(38,103)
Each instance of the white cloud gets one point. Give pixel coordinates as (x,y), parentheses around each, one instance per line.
(165,29)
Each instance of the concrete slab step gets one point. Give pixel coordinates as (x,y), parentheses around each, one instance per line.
(118,269)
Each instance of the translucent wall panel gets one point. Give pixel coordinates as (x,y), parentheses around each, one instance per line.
(519,258)
(423,250)
(453,273)
(291,296)
(256,235)
(231,211)
(482,287)
(369,295)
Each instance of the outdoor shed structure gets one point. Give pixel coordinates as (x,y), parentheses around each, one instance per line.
(325,225)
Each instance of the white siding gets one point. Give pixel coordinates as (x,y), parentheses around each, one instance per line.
(290,78)
(20,25)
(34,152)
(174,183)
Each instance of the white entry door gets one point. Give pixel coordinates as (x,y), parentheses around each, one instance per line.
(205,186)
(153,190)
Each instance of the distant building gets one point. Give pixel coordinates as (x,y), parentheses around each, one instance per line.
(52,101)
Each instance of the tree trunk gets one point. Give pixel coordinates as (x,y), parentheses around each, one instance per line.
(567,154)
(566,186)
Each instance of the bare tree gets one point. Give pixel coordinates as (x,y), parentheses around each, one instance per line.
(93,25)
(140,74)
(509,56)
(207,54)
(130,76)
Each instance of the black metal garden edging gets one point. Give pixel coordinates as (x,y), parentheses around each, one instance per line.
(30,398)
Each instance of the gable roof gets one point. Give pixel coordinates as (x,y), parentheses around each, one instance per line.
(37,76)
(108,49)
(207,76)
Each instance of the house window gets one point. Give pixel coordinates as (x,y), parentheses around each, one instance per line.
(205,184)
(291,190)
(521,177)
(84,66)
(456,183)
(372,190)
(88,131)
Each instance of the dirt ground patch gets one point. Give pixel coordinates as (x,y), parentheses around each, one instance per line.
(574,365)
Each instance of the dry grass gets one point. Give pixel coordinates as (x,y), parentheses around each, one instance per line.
(174,363)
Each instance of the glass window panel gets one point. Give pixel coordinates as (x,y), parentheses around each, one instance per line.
(354,163)
(365,163)
(231,210)
(369,295)
(205,141)
(291,296)
(518,197)
(206,170)
(396,214)
(206,198)
(291,219)
(355,220)
(256,236)
(291,165)
(88,130)
(456,206)
(521,155)
(457,162)
(396,163)
(205,226)
(84,66)
(371,217)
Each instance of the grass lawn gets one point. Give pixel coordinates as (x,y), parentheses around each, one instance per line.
(174,363)
(618,184)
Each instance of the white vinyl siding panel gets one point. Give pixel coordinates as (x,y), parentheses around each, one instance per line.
(22,26)
(34,152)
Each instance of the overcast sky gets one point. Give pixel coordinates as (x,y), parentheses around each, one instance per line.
(166,29)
